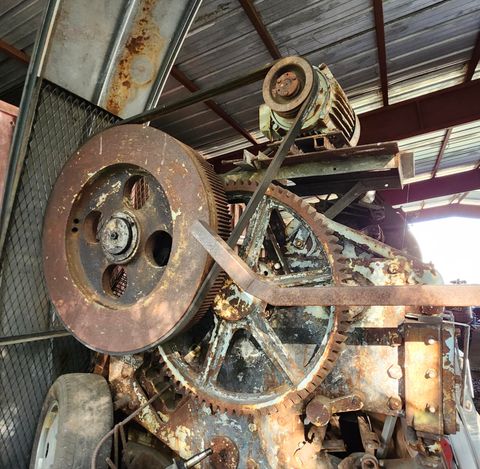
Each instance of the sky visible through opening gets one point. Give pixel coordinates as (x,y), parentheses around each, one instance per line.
(452,245)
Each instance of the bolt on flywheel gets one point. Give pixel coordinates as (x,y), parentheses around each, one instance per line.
(121,266)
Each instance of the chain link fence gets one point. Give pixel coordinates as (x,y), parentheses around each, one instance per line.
(61,124)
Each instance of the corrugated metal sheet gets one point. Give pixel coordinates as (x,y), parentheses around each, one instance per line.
(428,44)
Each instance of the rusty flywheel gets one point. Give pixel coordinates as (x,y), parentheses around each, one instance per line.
(121,266)
(246,356)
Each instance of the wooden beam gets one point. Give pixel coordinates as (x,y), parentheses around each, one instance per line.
(441,152)
(474,59)
(191,86)
(262,30)
(381,48)
(14,53)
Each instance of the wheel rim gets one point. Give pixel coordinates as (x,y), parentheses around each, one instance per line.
(45,455)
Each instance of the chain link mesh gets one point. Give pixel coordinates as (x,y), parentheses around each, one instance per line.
(61,124)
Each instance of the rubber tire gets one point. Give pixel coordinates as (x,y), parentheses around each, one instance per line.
(85,415)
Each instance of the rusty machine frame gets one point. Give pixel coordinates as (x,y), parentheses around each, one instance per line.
(278,339)
(239,358)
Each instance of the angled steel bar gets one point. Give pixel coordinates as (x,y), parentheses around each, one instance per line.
(405,295)
(441,152)
(199,96)
(259,25)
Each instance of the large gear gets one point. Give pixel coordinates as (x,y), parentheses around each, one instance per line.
(247,356)
(120,263)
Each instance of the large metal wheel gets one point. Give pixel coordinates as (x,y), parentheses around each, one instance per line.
(248,356)
(121,266)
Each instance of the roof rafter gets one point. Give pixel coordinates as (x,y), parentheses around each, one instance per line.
(381,48)
(474,59)
(262,30)
(191,86)
(443,211)
(441,152)
(13,52)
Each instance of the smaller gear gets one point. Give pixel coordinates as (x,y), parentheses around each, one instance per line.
(247,356)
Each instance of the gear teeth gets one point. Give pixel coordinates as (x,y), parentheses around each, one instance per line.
(343,316)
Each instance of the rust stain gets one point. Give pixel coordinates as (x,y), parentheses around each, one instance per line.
(137,67)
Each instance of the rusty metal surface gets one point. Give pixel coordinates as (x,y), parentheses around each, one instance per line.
(8,117)
(116,54)
(112,295)
(312,253)
(423,365)
(287,103)
(370,380)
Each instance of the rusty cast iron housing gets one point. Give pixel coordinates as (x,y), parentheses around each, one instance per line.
(286,87)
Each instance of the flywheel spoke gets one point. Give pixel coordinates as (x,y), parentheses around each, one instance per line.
(220,339)
(273,348)
(256,232)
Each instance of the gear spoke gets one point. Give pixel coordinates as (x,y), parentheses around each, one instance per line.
(273,348)
(220,339)
(255,233)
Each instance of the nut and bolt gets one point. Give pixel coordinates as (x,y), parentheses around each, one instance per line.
(287,85)
(430,374)
(395,372)
(393,268)
(395,403)
(252,427)
(431,408)
(430,340)
(298,243)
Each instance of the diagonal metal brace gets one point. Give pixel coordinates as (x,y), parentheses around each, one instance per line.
(275,295)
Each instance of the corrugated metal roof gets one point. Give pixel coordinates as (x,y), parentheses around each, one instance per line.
(428,45)
(19,22)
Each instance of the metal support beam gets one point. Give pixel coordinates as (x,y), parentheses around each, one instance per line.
(344,201)
(191,86)
(438,187)
(381,49)
(275,294)
(36,336)
(200,96)
(262,30)
(441,152)
(435,111)
(474,59)
(14,53)
(444,211)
